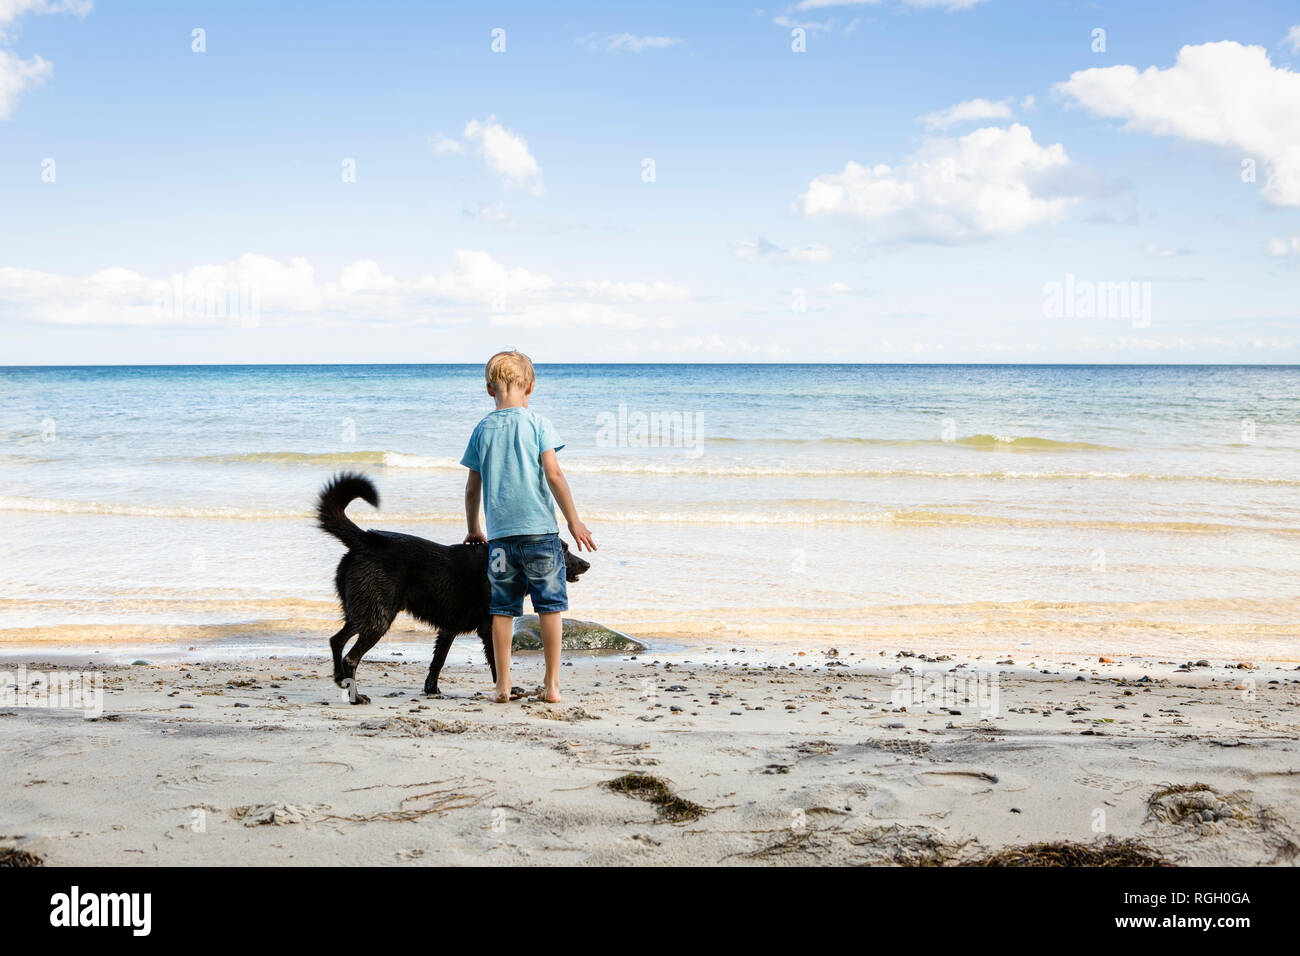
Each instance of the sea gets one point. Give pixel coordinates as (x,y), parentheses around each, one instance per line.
(976,509)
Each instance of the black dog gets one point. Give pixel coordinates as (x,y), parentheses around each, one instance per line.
(384,572)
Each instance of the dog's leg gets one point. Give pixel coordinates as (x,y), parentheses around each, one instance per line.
(337,643)
(439,658)
(485,635)
(365,641)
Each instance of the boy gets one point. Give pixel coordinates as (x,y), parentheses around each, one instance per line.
(509,454)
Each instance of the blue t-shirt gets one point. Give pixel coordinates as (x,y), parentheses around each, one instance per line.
(506,449)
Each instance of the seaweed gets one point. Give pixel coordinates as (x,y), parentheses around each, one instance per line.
(643,786)
(1067,853)
(907,846)
(9,856)
(924,846)
(1197,803)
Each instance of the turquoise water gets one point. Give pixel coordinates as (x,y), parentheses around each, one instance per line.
(1150,509)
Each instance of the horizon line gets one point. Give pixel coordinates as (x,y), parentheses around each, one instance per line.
(663,364)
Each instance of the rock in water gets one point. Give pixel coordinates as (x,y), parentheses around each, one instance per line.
(576,636)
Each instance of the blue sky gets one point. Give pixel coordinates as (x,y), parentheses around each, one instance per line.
(163,204)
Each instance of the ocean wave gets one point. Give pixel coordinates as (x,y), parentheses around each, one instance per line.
(774,516)
(1029,443)
(340,458)
(700,468)
(913,517)
(126,509)
(994,442)
(396,459)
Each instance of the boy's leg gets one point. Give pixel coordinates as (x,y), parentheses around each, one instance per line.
(503,629)
(507,585)
(552,626)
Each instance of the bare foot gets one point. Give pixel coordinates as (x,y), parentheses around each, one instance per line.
(550,695)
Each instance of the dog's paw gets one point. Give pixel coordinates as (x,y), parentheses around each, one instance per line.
(431,688)
(360,699)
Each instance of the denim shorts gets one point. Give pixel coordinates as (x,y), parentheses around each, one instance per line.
(527,564)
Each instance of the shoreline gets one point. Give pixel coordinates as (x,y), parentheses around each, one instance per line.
(467,657)
(247,762)
(976,637)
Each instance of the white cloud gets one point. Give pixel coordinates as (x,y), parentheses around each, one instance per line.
(1284,246)
(820,4)
(630,42)
(1221,93)
(494,212)
(811,26)
(809,253)
(1292,38)
(1160,252)
(761,248)
(213,295)
(966,111)
(506,154)
(445,146)
(11,10)
(208,294)
(558,315)
(992,182)
(707,344)
(480,278)
(945,4)
(17,75)
(365,276)
(636,291)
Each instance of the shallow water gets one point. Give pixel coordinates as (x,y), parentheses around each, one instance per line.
(1150,510)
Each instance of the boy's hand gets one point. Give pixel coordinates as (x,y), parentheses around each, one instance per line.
(581,536)
(475,537)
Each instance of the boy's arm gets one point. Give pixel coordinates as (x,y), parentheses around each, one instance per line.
(560,488)
(473,491)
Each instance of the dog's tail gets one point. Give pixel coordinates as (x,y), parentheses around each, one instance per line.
(331,507)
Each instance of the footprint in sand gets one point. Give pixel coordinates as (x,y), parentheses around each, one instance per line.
(970,781)
(1097,781)
(334,767)
(187,783)
(243,767)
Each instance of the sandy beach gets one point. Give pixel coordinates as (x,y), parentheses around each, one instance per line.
(797,759)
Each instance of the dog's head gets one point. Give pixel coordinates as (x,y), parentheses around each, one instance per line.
(574,566)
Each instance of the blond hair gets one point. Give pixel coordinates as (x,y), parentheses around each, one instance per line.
(509,368)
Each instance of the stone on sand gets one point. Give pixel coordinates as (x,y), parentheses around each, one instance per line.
(576,636)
